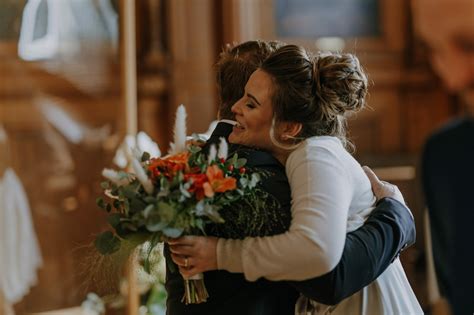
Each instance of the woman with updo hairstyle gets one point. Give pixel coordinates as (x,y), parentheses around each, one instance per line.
(295,106)
(317,91)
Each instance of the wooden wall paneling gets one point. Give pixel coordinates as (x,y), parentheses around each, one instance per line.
(61,194)
(247,20)
(424,110)
(394,20)
(153,75)
(376,130)
(193,52)
(63,210)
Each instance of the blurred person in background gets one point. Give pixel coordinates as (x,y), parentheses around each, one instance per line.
(447,28)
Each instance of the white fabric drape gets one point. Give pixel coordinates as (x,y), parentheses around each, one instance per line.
(20,255)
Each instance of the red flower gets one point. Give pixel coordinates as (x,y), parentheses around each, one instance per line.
(217,181)
(169,165)
(197,186)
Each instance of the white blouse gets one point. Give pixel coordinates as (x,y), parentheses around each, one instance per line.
(331,195)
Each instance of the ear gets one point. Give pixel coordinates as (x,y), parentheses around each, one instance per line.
(290,130)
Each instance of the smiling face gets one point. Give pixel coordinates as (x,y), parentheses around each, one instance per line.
(254,113)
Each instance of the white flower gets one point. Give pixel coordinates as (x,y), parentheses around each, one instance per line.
(223,149)
(93,304)
(134,147)
(179,144)
(212,154)
(146,144)
(124,152)
(141,176)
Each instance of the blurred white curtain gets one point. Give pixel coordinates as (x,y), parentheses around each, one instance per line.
(56,27)
(74,39)
(20,255)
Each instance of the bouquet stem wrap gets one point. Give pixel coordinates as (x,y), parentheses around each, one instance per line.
(195,291)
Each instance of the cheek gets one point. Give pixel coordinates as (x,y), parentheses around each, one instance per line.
(232,138)
(455,68)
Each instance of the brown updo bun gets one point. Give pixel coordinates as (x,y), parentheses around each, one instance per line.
(317,91)
(340,84)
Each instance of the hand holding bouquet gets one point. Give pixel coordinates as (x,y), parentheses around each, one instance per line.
(171,196)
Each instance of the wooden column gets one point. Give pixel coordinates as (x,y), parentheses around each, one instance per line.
(129,65)
(129,92)
(193,52)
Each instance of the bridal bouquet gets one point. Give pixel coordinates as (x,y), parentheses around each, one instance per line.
(171,196)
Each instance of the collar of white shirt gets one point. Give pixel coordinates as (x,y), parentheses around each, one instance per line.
(228,121)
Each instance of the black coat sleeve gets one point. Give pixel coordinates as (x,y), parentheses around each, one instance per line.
(368,251)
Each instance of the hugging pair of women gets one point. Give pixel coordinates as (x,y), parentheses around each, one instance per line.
(331,245)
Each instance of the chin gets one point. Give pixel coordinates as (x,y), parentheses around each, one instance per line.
(234,139)
(231,138)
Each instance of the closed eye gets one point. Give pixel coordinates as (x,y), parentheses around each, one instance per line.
(250,105)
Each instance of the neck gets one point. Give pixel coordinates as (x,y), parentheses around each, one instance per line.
(281,155)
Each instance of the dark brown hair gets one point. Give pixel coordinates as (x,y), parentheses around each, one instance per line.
(318,91)
(234,68)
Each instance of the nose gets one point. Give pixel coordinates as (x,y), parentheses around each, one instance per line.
(236,108)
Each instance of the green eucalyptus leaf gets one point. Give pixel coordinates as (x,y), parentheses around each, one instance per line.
(129,192)
(173,232)
(137,205)
(107,243)
(166,212)
(164,184)
(105,185)
(163,193)
(149,199)
(128,226)
(199,223)
(233,161)
(100,202)
(240,162)
(154,223)
(184,192)
(212,213)
(116,204)
(254,180)
(114,219)
(243,182)
(138,220)
(126,206)
(199,208)
(194,149)
(148,210)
